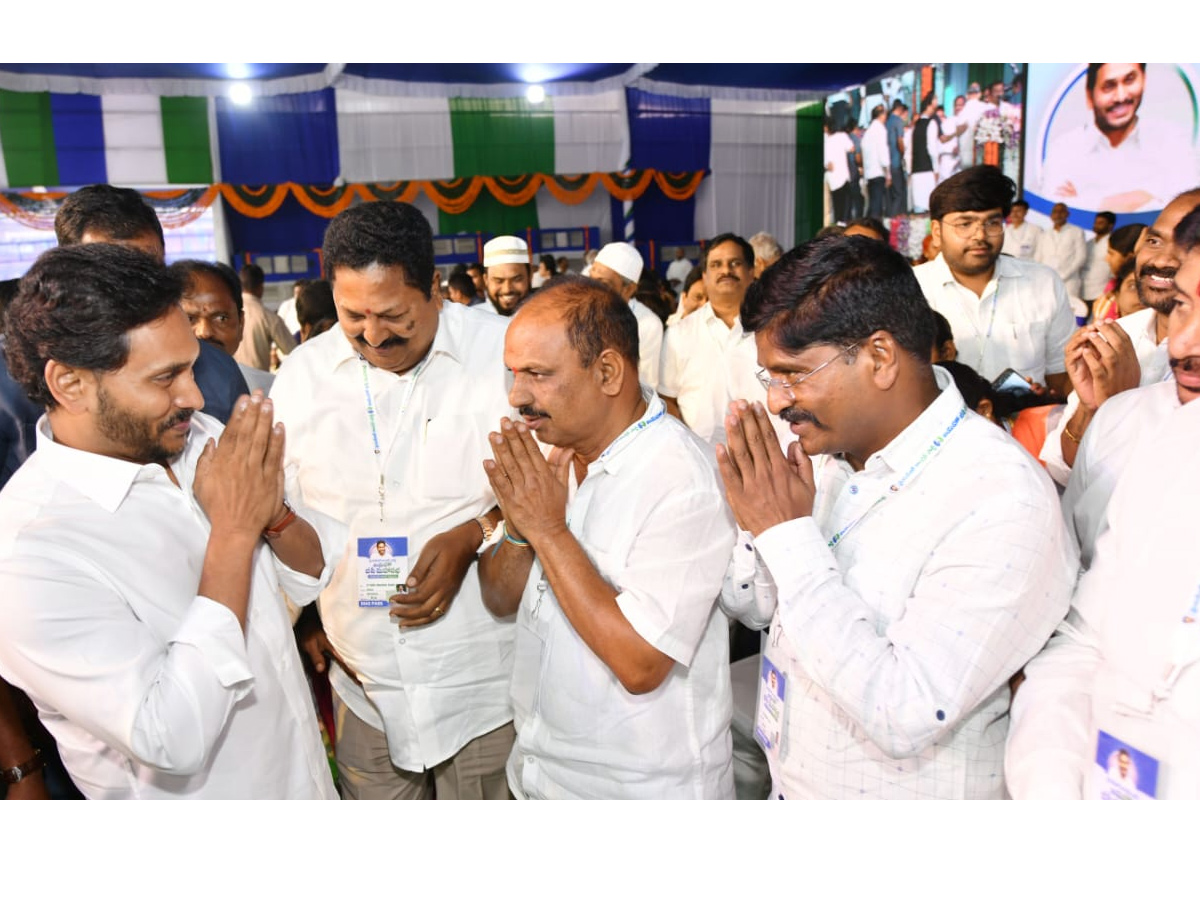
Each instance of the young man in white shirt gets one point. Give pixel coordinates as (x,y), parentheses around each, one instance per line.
(613,556)
(387,418)
(876,163)
(146,551)
(913,572)
(619,266)
(1005,313)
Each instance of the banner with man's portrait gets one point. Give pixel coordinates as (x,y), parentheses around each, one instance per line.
(1118,137)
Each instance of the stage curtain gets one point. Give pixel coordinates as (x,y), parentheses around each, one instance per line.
(668,133)
(281,138)
(506,137)
(489,215)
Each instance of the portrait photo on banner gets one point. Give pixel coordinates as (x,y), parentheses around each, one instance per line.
(1120,137)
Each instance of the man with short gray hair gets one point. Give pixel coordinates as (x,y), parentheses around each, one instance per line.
(766,251)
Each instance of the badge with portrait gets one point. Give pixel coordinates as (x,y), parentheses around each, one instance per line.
(772,706)
(382,569)
(1122,772)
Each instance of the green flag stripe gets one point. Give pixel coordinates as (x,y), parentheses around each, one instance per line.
(501,136)
(27,139)
(186,141)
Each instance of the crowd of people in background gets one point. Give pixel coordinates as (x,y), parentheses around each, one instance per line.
(509,514)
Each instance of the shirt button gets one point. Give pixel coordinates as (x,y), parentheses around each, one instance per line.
(854,488)
(402,640)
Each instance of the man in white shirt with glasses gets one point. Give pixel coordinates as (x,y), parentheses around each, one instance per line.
(907,575)
(1005,313)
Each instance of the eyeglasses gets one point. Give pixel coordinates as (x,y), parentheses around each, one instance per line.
(789,386)
(966,227)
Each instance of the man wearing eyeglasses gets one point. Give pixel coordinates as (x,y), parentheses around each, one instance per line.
(931,565)
(1006,313)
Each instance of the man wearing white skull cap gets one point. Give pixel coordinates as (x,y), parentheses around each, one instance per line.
(619,266)
(506,274)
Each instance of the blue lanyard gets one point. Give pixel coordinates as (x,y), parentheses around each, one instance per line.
(412,384)
(935,445)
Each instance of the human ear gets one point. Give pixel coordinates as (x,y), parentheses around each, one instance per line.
(884,356)
(611,371)
(71,388)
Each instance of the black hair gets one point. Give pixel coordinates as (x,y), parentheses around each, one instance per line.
(1021,202)
(382,232)
(930,97)
(973,386)
(725,238)
(1093,73)
(840,290)
(8,290)
(975,189)
(695,273)
(871,224)
(188,269)
(252,278)
(548,261)
(77,305)
(878,111)
(475,267)
(112,212)
(461,282)
(943,333)
(1106,214)
(1187,232)
(1125,238)
(597,318)
(315,302)
(1127,268)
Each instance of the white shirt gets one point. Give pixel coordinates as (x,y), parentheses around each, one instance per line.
(678,270)
(898,643)
(1124,633)
(650,338)
(875,154)
(1023,320)
(705,365)
(651,515)
(150,690)
(434,688)
(1121,435)
(837,145)
(971,113)
(1142,328)
(1021,240)
(287,313)
(1156,157)
(1097,271)
(1065,251)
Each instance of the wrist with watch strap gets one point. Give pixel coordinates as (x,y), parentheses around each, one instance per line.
(16,774)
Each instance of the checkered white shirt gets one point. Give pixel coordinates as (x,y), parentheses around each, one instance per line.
(899,642)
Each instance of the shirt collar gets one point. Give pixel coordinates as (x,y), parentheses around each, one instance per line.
(906,448)
(1098,141)
(615,455)
(103,479)
(1006,267)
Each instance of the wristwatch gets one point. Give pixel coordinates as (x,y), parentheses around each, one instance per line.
(486,527)
(25,769)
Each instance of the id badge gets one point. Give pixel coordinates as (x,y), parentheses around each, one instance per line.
(1121,771)
(382,569)
(770,716)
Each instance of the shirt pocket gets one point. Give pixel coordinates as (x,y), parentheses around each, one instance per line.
(1028,348)
(454,447)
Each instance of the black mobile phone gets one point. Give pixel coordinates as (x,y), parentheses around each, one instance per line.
(1011,382)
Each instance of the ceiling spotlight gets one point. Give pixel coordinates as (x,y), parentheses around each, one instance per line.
(535,93)
(240,94)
